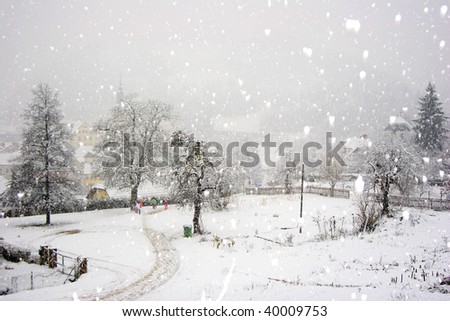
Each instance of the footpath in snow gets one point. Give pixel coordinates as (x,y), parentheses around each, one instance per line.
(262,256)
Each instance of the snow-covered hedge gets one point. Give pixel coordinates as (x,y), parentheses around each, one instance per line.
(107,204)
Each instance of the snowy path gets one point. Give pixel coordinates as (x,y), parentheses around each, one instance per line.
(165,267)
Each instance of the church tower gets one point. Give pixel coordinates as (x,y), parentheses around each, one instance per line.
(119,95)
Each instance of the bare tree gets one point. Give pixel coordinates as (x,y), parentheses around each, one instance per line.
(394,161)
(332,174)
(134,128)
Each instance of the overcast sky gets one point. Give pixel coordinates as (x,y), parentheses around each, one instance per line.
(291,63)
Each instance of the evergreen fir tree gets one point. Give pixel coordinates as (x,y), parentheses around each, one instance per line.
(45,173)
(431,133)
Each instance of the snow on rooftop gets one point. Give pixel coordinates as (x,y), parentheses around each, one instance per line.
(6,158)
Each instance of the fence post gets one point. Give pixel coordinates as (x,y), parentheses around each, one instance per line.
(84,266)
(43,255)
(14,285)
(52,259)
(32,285)
(80,267)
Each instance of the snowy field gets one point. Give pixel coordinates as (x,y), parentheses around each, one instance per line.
(262,256)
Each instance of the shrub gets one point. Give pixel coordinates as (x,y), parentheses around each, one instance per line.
(331,228)
(368,214)
(103,204)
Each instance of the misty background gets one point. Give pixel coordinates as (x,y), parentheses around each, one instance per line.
(239,66)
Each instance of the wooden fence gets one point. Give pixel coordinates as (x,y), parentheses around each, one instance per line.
(439,204)
(68,265)
(338,192)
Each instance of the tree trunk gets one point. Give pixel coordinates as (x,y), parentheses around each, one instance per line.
(47,172)
(287,184)
(47,202)
(197,210)
(332,189)
(196,220)
(385,200)
(133,195)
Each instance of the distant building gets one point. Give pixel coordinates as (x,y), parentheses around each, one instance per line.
(355,153)
(97,192)
(6,148)
(83,134)
(85,157)
(398,124)
(119,95)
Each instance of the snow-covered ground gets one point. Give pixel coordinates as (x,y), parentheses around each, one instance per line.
(146,257)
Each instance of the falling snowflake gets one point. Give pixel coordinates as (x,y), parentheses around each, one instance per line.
(362,75)
(365,54)
(307,130)
(352,25)
(307,51)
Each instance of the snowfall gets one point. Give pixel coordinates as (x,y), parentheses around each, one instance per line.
(262,255)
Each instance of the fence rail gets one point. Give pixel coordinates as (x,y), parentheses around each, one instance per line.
(438,204)
(68,265)
(16,283)
(338,192)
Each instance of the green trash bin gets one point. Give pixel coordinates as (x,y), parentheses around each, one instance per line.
(187,230)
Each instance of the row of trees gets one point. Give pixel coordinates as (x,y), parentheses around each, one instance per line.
(404,161)
(44,179)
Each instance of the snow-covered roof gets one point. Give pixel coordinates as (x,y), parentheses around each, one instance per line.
(99,186)
(398,123)
(5,158)
(358,143)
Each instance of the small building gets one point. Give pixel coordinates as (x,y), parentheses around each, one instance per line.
(83,134)
(97,192)
(398,124)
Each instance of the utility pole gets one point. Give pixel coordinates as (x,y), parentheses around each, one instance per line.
(301,199)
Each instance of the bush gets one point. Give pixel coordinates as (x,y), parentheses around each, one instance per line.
(368,214)
(68,207)
(331,228)
(103,204)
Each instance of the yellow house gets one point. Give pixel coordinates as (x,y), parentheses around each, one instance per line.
(97,192)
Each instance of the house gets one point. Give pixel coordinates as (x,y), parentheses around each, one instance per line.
(97,192)
(85,157)
(355,153)
(83,134)
(398,124)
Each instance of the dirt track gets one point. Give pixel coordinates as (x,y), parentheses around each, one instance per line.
(166,265)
